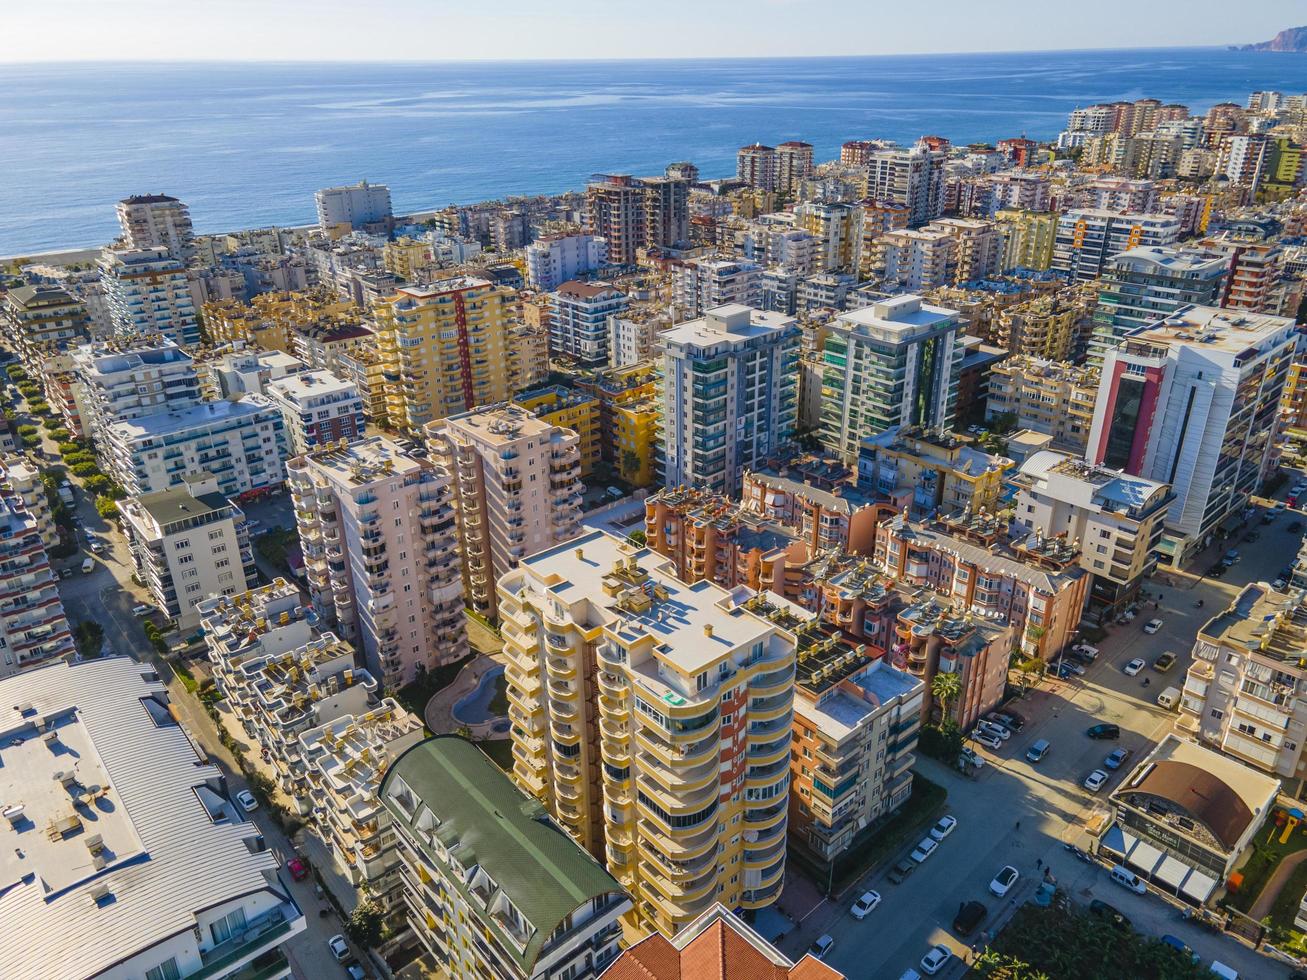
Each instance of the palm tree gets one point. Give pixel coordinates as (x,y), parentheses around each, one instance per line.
(945,688)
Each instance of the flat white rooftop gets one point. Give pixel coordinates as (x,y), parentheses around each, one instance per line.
(898,318)
(724,324)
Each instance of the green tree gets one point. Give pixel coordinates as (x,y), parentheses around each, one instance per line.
(637,538)
(945,689)
(85,469)
(630,464)
(106,508)
(364,925)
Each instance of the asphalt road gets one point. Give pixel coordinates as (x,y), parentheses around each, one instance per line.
(1047,799)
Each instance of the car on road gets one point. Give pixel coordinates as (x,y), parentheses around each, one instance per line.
(1038,750)
(142,609)
(97,547)
(865,904)
(297,868)
(944,827)
(901,871)
(1068,667)
(1134,667)
(1004,880)
(1126,878)
(821,946)
(1165,662)
(968,754)
(1152,626)
(88,566)
(1117,759)
(355,972)
(247,801)
(1180,946)
(1230,557)
(986,739)
(1111,914)
(970,915)
(1096,780)
(339,948)
(1104,730)
(935,959)
(924,849)
(65,573)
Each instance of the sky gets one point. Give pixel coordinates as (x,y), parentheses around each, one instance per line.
(440,30)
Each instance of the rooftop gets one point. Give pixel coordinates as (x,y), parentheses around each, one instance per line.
(173,506)
(1070,479)
(1262,621)
(308,385)
(363,461)
(1215,329)
(496,424)
(733,322)
(897,319)
(195,417)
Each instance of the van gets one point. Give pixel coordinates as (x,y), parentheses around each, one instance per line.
(88,566)
(1126,878)
(1169,698)
(1038,750)
(1221,970)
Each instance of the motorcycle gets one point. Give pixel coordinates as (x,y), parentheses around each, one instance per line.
(1198,604)
(1147,681)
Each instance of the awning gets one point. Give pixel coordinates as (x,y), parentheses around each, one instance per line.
(1171,872)
(1145,857)
(1198,886)
(1117,840)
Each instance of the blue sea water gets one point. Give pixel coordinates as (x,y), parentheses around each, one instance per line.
(247,144)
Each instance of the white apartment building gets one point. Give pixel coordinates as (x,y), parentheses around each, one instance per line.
(188,544)
(893,363)
(919,259)
(705,284)
(130,378)
(912,177)
(250,369)
(578,321)
(729,394)
(633,337)
(379,541)
(263,622)
(33,626)
(1121,195)
(119,869)
(157,221)
(552,260)
(20,478)
(352,207)
(1088,237)
(147,293)
(516,489)
(317,408)
(242,443)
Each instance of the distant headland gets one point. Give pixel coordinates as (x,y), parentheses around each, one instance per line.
(1291,39)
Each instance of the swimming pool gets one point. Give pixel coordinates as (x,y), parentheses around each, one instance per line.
(473,708)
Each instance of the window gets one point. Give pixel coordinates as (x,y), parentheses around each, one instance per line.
(230,923)
(167,970)
(222,563)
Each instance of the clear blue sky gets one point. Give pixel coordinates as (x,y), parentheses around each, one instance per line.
(435,30)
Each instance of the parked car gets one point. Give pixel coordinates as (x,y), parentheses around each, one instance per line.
(1067,668)
(1006,720)
(990,728)
(1182,947)
(355,971)
(1230,557)
(339,948)
(1116,759)
(987,740)
(1111,914)
(924,849)
(142,609)
(1126,878)
(88,566)
(901,871)
(1279,583)
(1018,722)
(865,904)
(1104,730)
(968,755)
(1004,880)
(1134,667)
(297,868)
(970,915)
(1152,626)
(97,547)
(936,958)
(247,801)
(944,827)
(1165,662)
(1096,780)
(821,946)
(1038,750)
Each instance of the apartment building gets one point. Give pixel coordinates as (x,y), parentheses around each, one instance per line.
(915,260)
(317,408)
(836,230)
(1034,584)
(793,166)
(841,518)
(232,373)
(909,176)
(157,221)
(728,395)
(272,321)
(491,885)
(895,362)
(20,478)
(1053,327)
(364,369)
(150,867)
(262,622)
(978,247)
(1029,238)
(242,443)
(872,220)
(755,165)
(353,207)
(1255,281)
(1051,397)
(633,336)
(442,348)
(188,544)
(634,213)
(377,530)
(147,292)
(552,260)
(705,284)
(1121,194)
(1143,285)
(856,719)
(1193,401)
(131,378)
(931,472)
(516,489)
(1117,518)
(569,408)
(1088,237)
(33,626)
(40,321)
(679,697)
(578,321)
(628,419)
(528,355)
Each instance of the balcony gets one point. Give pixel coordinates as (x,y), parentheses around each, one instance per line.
(259,933)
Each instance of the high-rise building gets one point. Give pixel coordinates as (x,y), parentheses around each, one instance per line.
(1121,195)
(836,228)
(148,293)
(1055,398)
(978,247)
(317,408)
(130,818)
(157,221)
(1030,236)
(131,378)
(913,177)
(188,544)
(352,207)
(1054,327)
(578,321)
(493,889)
(1088,238)
(1255,281)
(917,259)
(655,725)
(442,348)
(705,284)
(893,363)
(729,395)
(516,490)
(931,472)
(666,211)
(756,166)
(380,554)
(1143,285)
(40,321)
(793,166)
(1192,401)
(631,213)
(552,260)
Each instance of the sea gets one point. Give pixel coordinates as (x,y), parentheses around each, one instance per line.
(246,144)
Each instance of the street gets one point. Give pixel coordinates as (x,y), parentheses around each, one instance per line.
(1020,813)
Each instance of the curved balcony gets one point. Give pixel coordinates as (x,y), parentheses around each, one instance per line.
(616,708)
(772,708)
(614,732)
(771,683)
(562,710)
(679,892)
(613,684)
(764,752)
(560,668)
(761,818)
(681,782)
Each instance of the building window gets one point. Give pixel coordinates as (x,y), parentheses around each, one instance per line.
(166,970)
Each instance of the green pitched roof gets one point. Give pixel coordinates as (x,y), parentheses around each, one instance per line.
(541,870)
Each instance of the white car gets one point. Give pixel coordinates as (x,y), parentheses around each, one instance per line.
(1152,626)
(995,729)
(924,849)
(1096,780)
(943,828)
(935,959)
(987,740)
(339,948)
(247,801)
(142,609)
(1134,667)
(821,947)
(1004,880)
(865,904)
(969,754)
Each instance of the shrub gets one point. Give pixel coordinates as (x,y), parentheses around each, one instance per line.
(32,440)
(39,407)
(51,423)
(59,434)
(98,484)
(27,430)
(79,456)
(85,469)
(106,508)
(67,448)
